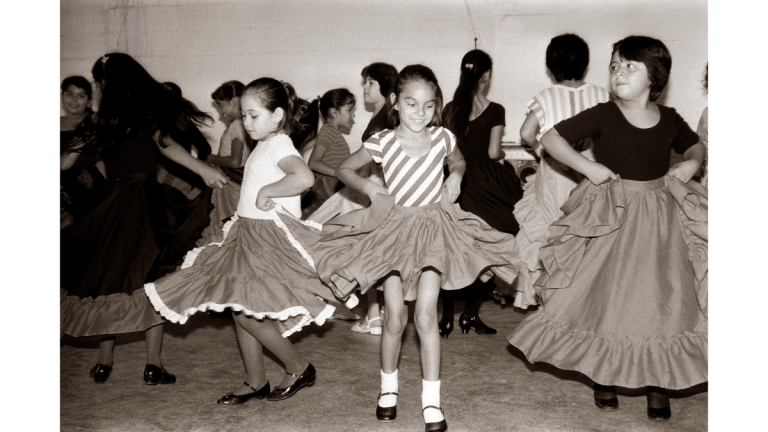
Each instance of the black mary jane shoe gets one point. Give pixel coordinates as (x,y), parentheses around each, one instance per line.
(474,322)
(232,399)
(154,375)
(606,404)
(445,326)
(658,414)
(386,414)
(306,379)
(440,426)
(100,373)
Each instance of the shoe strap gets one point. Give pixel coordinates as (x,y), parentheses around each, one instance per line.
(432,406)
(249,386)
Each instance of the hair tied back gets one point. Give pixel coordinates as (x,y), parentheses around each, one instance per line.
(469,66)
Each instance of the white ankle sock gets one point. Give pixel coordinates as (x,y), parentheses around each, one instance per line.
(388,385)
(430,395)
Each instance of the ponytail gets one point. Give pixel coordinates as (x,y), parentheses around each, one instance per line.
(274,94)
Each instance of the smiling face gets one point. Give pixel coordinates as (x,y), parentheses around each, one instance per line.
(416,105)
(629,79)
(258,121)
(372,91)
(345,117)
(75,101)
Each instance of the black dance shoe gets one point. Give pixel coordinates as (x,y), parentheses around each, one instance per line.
(440,426)
(474,322)
(661,413)
(232,399)
(306,379)
(606,404)
(154,375)
(386,414)
(100,373)
(446,326)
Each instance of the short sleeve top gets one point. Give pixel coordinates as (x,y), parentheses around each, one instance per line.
(475,146)
(261,169)
(631,152)
(414,182)
(336,147)
(235,130)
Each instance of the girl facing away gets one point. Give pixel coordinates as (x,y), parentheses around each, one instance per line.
(258,271)
(625,301)
(489,189)
(234,149)
(567,59)
(140,229)
(337,107)
(411,237)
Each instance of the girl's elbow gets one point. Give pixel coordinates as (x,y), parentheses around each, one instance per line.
(307,179)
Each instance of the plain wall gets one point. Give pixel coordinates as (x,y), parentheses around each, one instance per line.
(323,44)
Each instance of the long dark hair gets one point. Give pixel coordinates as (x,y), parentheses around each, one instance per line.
(274,94)
(132,104)
(473,65)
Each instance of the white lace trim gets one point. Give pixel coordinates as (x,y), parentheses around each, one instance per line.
(191,256)
(280,316)
(295,243)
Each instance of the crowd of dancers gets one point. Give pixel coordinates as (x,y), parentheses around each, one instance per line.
(606,242)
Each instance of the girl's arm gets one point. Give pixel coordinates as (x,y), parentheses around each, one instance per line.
(176,153)
(346,172)
(694,157)
(559,148)
(456,166)
(528,131)
(298,178)
(235,160)
(316,163)
(68,159)
(494,146)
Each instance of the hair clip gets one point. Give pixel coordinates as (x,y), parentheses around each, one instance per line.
(104,59)
(468,66)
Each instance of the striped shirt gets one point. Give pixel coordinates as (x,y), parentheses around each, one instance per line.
(414,182)
(336,147)
(235,130)
(559,102)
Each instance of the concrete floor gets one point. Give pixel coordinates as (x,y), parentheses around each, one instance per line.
(487,385)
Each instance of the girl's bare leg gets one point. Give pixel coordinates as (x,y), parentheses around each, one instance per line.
(265,333)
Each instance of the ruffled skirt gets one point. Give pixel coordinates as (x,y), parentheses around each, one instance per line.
(360,248)
(545,192)
(490,190)
(136,234)
(625,286)
(224,202)
(258,269)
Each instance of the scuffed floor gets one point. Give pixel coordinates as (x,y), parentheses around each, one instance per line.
(487,385)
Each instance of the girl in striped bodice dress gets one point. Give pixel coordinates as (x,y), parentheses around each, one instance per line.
(547,190)
(413,237)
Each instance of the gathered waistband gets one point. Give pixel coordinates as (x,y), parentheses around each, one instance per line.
(639,186)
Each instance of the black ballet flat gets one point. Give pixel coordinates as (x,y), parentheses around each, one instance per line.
(306,379)
(446,326)
(386,414)
(440,426)
(658,414)
(606,404)
(474,322)
(154,375)
(100,373)
(232,399)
